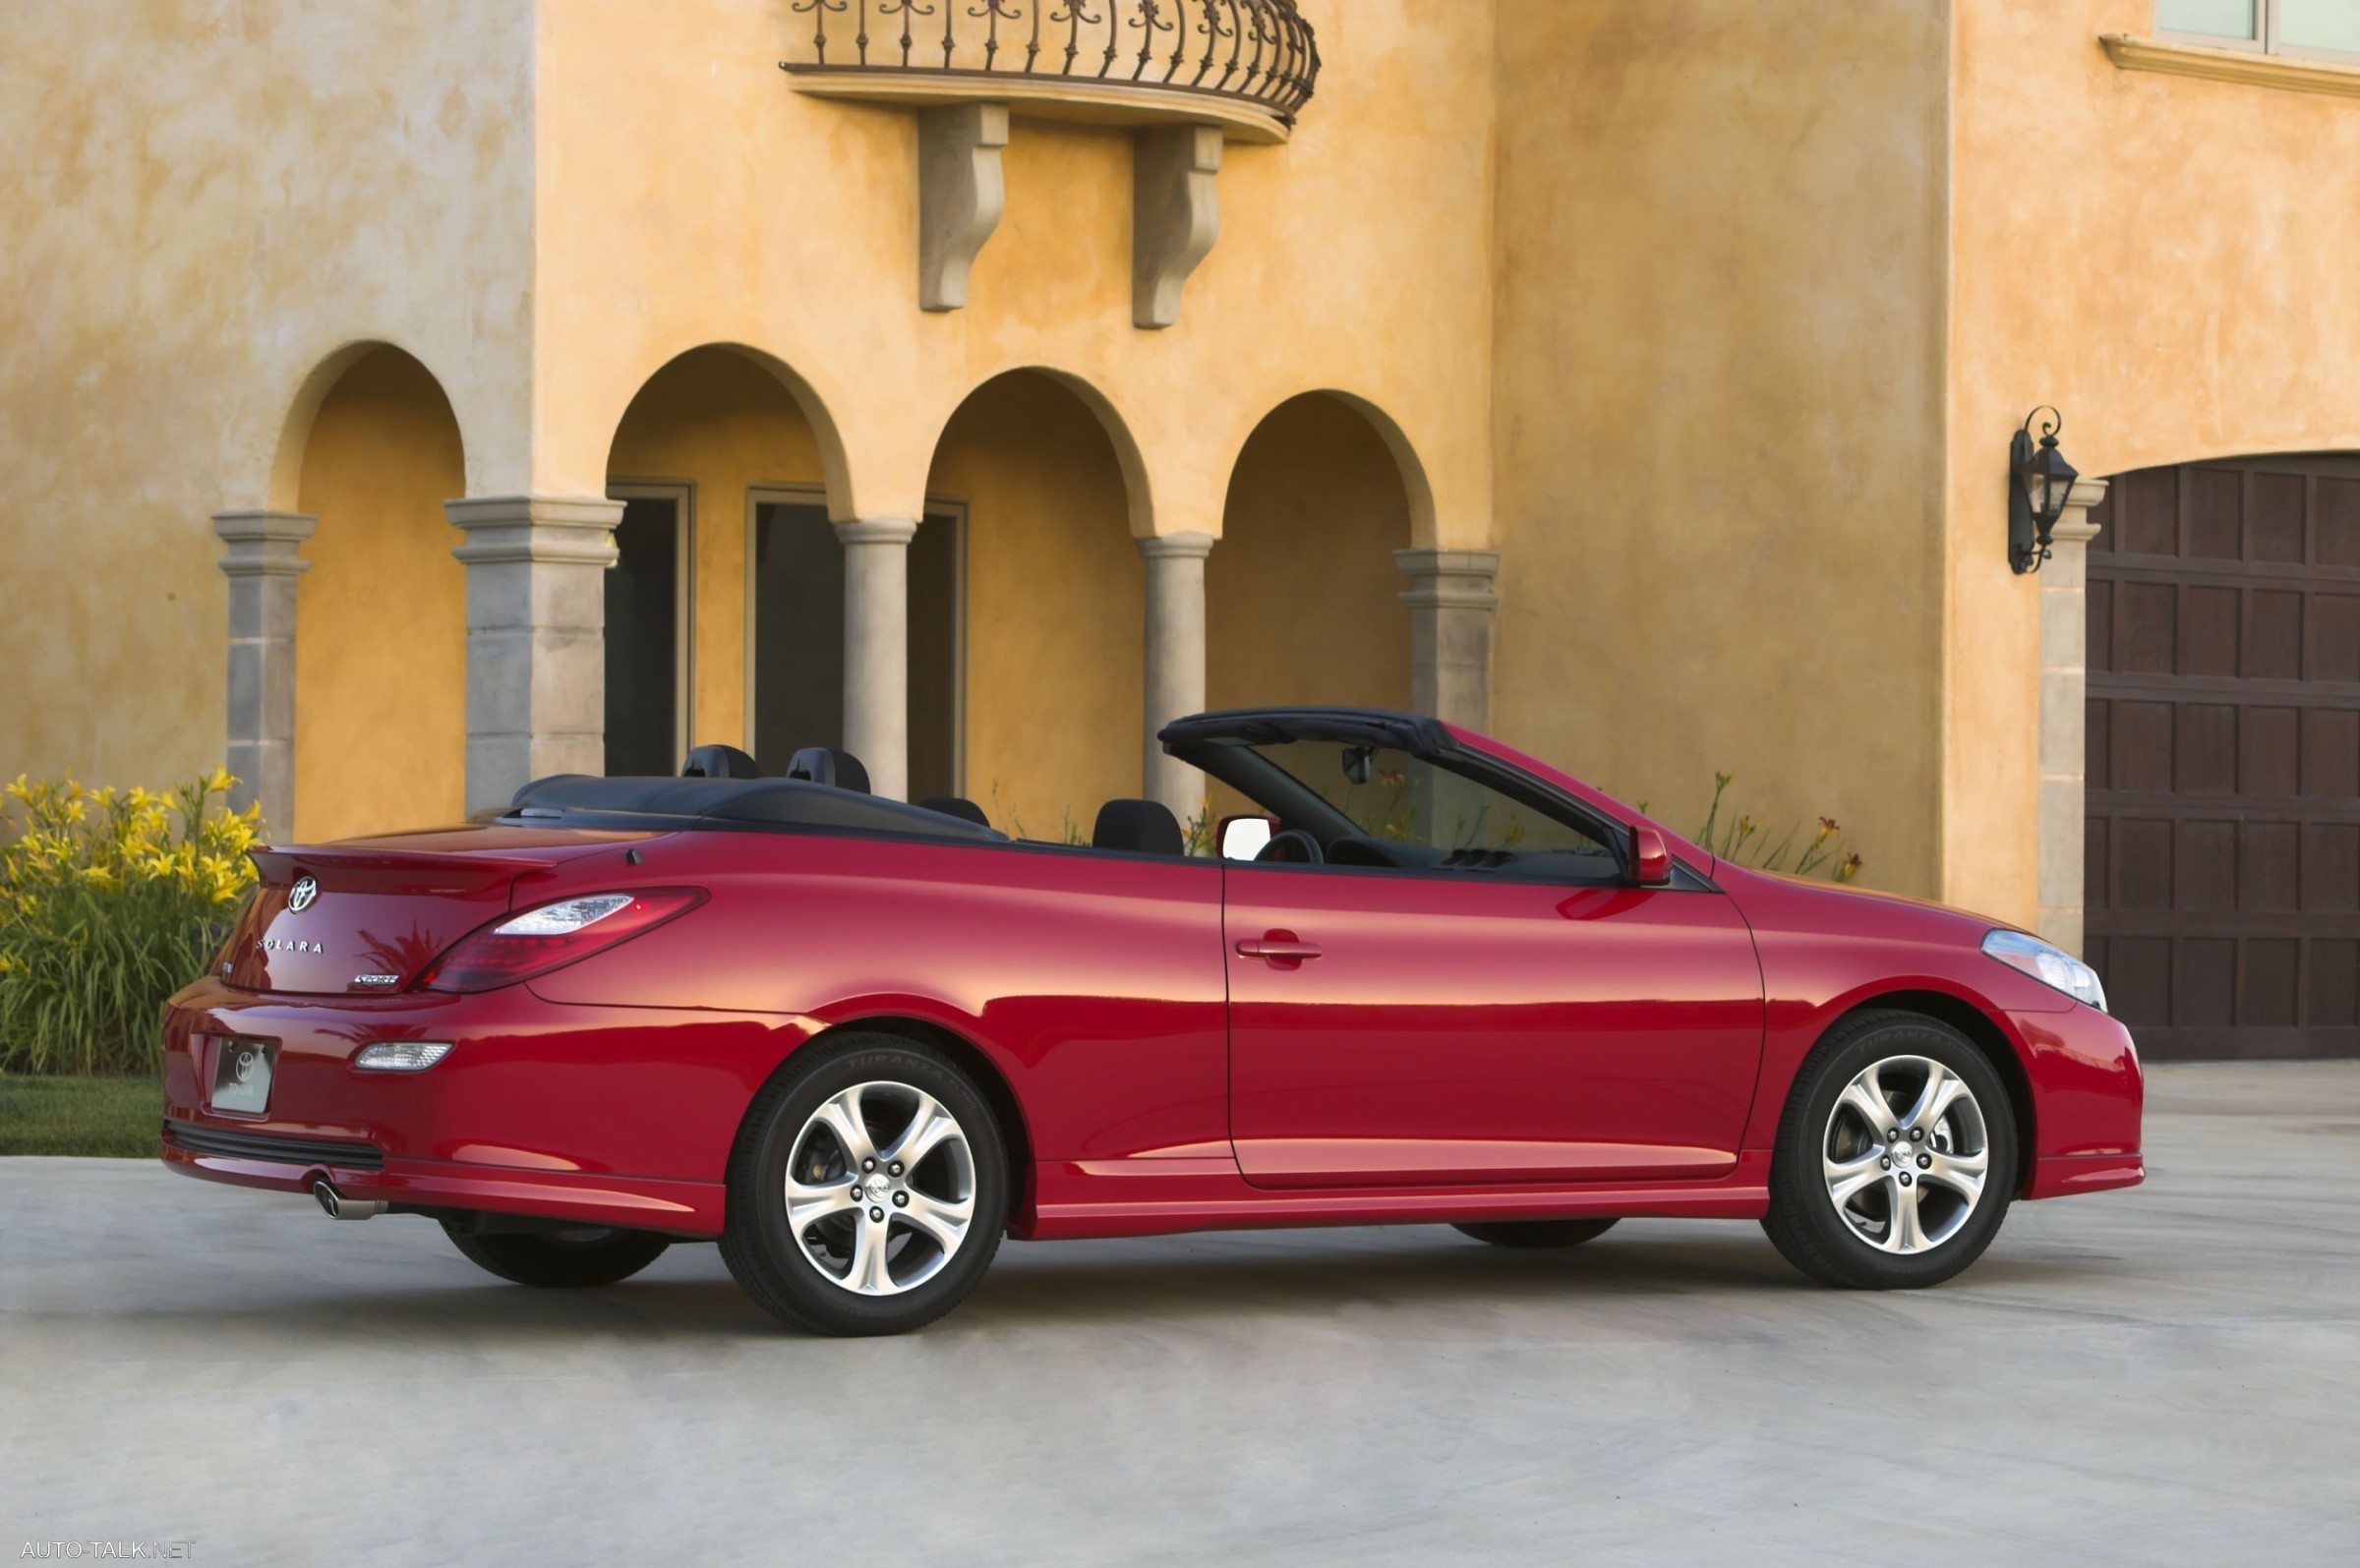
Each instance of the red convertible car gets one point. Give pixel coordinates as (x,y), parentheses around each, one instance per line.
(856,1041)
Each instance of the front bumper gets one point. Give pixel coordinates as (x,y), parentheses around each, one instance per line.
(614,1115)
(2089,1097)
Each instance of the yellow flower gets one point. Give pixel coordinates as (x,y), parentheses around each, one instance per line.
(220,780)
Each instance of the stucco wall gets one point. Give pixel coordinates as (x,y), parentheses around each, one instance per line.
(1719,268)
(202,202)
(688,194)
(2168,262)
(212,205)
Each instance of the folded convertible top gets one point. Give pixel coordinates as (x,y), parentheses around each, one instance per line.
(741,802)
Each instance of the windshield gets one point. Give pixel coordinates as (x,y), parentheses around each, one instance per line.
(1378,805)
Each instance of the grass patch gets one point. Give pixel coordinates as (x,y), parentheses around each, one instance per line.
(111,1117)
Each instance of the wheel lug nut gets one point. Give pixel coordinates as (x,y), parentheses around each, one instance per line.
(1925,1162)
(895,1169)
(868,1165)
(901,1200)
(1885,1164)
(879,1214)
(1892,1134)
(1905,1177)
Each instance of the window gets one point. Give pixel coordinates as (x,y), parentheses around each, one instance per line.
(2329,28)
(1377,806)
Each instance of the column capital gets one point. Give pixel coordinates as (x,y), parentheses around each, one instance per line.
(262,543)
(875,530)
(1449,579)
(1176,547)
(577,529)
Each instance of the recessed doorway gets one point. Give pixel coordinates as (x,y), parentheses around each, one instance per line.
(795,634)
(648,594)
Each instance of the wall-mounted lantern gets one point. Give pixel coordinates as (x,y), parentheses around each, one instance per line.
(2041,480)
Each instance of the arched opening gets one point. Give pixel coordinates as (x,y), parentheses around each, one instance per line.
(723,624)
(380,667)
(1302,596)
(1052,625)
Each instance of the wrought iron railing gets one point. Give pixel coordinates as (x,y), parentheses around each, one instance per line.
(1260,51)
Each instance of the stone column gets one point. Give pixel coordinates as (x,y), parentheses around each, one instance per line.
(1451,600)
(1176,665)
(2064,715)
(262,567)
(536,637)
(877,650)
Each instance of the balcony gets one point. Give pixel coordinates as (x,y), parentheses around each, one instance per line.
(1245,66)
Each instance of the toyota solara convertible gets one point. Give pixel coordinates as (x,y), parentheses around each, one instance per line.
(856,1042)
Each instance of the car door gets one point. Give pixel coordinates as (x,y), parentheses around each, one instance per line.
(1427,1029)
(1497,1007)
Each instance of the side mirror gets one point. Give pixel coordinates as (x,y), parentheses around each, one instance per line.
(1242,837)
(1650,858)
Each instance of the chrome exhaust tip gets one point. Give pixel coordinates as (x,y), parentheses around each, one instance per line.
(336,1206)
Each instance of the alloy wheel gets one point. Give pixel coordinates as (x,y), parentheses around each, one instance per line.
(880,1189)
(1905,1154)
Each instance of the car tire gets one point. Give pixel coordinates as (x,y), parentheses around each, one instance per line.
(819,1258)
(560,1259)
(1860,1208)
(1535,1233)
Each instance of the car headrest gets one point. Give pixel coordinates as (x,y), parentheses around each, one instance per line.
(952,806)
(719,762)
(1143,827)
(828,765)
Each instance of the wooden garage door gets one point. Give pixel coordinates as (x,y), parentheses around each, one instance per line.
(2223,881)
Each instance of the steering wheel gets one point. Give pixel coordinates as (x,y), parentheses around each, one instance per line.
(1292,847)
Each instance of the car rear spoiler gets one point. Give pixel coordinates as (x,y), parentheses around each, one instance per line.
(393,870)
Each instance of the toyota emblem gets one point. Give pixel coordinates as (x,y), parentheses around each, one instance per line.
(244,1065)
(306,890)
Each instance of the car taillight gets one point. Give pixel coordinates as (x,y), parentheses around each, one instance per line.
(549,936)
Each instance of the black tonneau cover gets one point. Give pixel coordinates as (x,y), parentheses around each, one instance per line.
(739,803)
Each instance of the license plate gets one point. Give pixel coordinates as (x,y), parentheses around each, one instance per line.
(242,1076)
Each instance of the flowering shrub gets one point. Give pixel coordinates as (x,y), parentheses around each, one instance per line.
(109,903)
(1822,853)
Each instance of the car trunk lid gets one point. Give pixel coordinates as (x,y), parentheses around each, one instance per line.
(365,916)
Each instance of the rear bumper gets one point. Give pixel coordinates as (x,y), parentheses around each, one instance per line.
(615,1116)
(680,1208)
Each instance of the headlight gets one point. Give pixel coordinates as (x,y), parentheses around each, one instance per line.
(2048,966)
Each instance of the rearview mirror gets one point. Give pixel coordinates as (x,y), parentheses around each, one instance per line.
(1650,858)
(1244,837)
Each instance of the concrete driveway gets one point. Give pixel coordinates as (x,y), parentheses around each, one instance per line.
(2166,1375)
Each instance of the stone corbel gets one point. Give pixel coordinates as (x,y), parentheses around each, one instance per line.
(961,194)
(1175,216)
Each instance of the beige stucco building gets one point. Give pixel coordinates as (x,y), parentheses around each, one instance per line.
(402,402)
